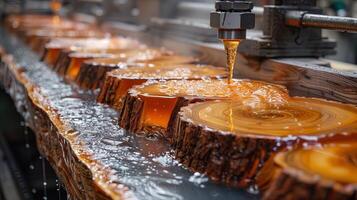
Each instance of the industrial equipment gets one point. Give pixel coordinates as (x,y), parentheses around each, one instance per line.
(173,126)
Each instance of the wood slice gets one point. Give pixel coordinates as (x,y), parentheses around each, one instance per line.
(13,22)
(231,142)
(73,62)
(119,81)
(69,61)
(324,172)
(303,77)
(54,48)
(18,23)
(130,56)
(21,26)
(161,101)
(92,72)
(75,57)
(38,38)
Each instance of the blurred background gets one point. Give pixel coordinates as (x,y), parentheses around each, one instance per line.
(192,11)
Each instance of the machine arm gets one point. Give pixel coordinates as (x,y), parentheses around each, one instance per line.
(232,18)
(304,19)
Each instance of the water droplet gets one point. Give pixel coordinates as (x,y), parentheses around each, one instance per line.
(253,189)
(198,178)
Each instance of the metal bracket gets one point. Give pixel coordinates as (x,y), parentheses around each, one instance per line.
(281,40)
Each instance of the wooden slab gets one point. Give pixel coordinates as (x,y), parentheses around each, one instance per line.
(303,77)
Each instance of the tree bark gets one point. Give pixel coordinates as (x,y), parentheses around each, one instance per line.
(92,76)
(225,158)
(289,187)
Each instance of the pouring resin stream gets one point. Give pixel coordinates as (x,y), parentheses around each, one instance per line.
(231,47)
(56,6)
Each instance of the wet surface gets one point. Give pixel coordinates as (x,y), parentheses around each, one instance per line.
(144,165)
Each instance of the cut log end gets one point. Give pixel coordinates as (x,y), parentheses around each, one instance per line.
(38,38)
(255,134)
(162,100)
(119,81)
(327,172)
(21,25)
(70,61)
(71,70)
(298,116)
(92,73)
(54,48)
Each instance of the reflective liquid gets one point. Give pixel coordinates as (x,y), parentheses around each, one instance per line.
(299,117)
(231,47)
(333,161)
(160,97)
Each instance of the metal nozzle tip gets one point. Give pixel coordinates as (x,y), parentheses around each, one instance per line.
(231,34)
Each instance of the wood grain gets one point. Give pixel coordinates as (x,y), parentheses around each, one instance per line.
(302,77)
